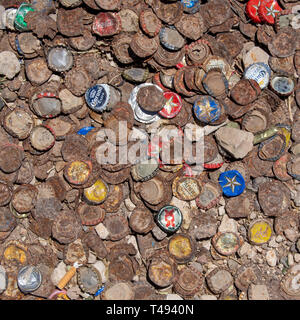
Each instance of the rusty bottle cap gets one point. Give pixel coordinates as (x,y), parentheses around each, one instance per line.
(256,121)
(121,46)
(273,197)
(5,193)
(167,58)
(18,123)
(7,220)
(11,157)
(273,148)
(215,83)
(209,195)
(150,24)
(219,279)
(117,227)
(129,20)
(151,98)
(141,220)
(245,91)
(109,5)
(152,191)
(42,138)
(197,52)
(293,167)
(66,228)
(186,188)
(90,215)
(37,71)
(137,75)
(107,24)
(24,198)
(226,243)
(161,271)
(171,39)
(46,104)
(283,43)
(144,46)
(59,59)
(78,172)
(181,247)
(144,170)
(290,282)
(78,80)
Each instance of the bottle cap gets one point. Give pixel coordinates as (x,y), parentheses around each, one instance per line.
(198,51)
(232,183)
(290,282)
(129,20)
(141,220)
(117,227)
(186,188)
(171,39)
(219,279)
(169,218)
(188,282)
(89,279)
(97,97)
(78,172)
(168,58)
(90,215)
(283,44)
(107,24)
(207,109)
(151,98)
(37,71)
(173,105)
(109,5)
(268,10)
(215,83)
(181,247)
(60,59)
(24,198)
(29,279)
(273,197)
(169,13)
(282,85)
(260,72)
(7,220)
(259,232)
(11,157)
(190,6)
(19,23)
(78,81)
(209,196)
(226,243)
(150,24)
(273,148)
(245,92)
(42,138)
(97,193)
(161,271)
(143,46)
(18,123)
(152,191)
(145,170)
(66,227)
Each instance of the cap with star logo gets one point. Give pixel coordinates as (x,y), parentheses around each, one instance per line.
(207,109)
(232,183)
(169,218)
(252,10)
(172,106)
(268,10)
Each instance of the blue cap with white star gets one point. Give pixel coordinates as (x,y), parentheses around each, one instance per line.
(232,183)
(207,109)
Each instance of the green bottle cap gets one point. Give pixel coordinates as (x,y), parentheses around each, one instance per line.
(20,24)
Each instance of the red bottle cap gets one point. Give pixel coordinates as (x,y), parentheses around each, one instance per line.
(268,11)
(173,105)
(252,10)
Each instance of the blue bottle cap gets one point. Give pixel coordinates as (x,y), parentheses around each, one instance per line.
(190,6)
(207,109)
(83,131)
(97,97)
(232,183)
